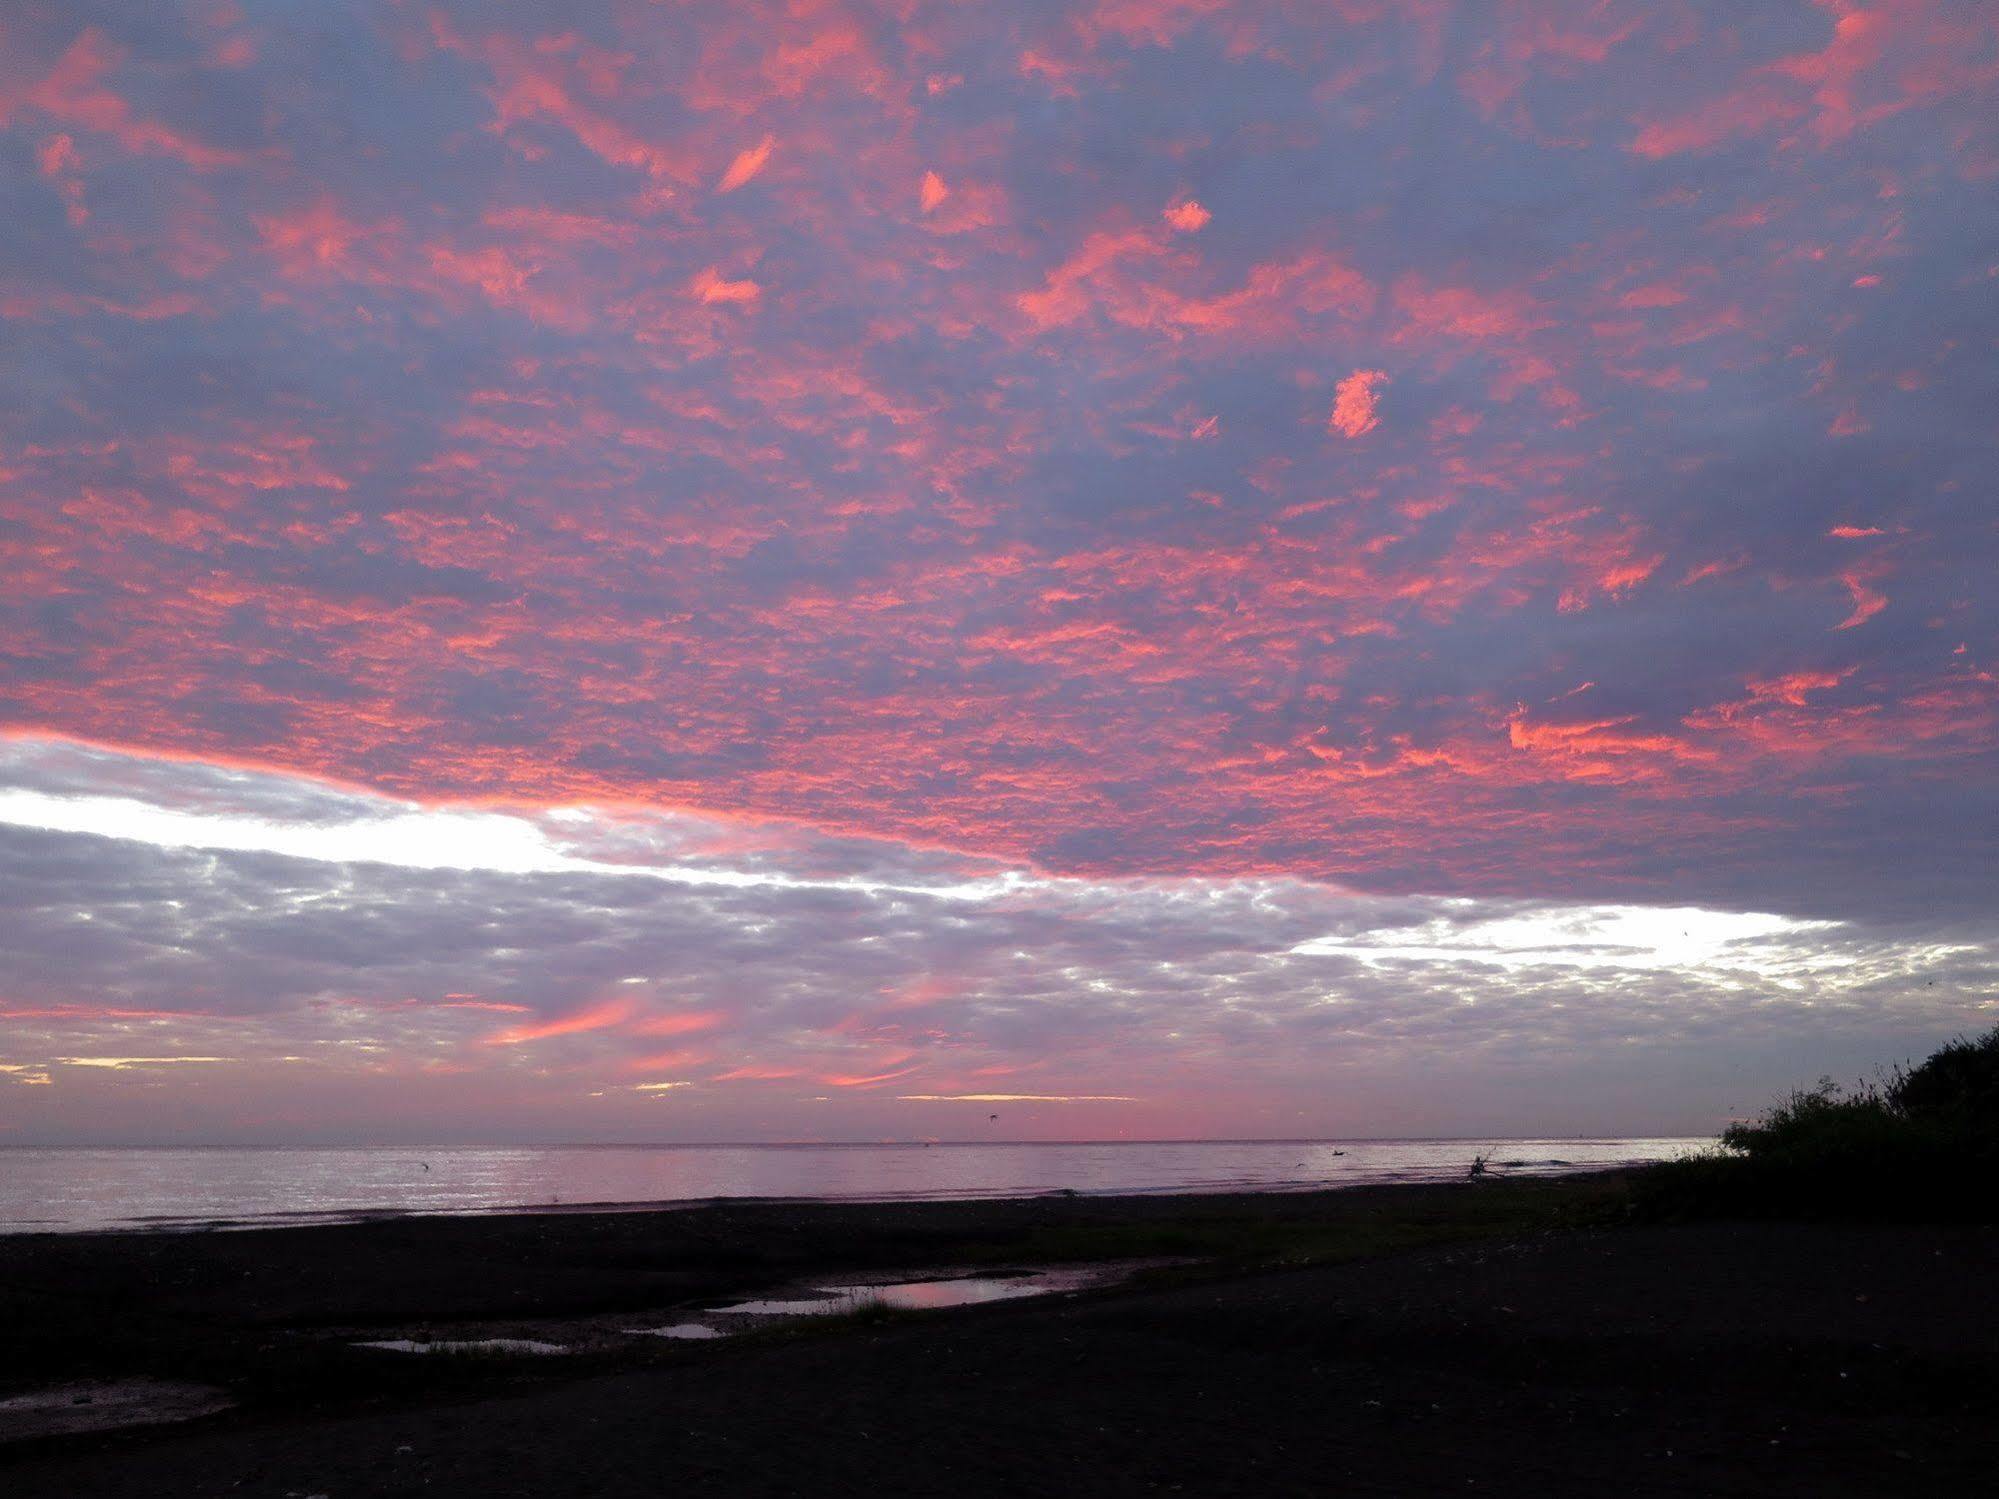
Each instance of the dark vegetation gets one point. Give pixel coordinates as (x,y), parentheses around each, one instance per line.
(1920,1144)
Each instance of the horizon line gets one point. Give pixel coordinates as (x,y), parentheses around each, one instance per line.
(838,1144)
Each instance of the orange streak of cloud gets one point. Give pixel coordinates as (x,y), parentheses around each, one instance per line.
(746,165)
(710,287)
(1867,601)
(595,1017)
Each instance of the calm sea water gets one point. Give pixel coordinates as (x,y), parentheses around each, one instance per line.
(67,1190)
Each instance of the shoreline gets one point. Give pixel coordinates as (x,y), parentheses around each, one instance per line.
(322,1187)
(342,1217)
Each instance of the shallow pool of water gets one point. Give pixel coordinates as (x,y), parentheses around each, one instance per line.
(465,1345)
(929,1294)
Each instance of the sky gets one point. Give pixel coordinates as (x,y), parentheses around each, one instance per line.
(825,570)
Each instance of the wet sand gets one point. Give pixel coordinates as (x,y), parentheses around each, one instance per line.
(1548,1351)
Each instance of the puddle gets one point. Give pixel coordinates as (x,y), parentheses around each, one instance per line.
(929,1295)
(907,1288)
(819,1306)
(465,1345)
(105,1406)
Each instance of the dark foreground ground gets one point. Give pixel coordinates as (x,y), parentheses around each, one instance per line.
(1535,1347)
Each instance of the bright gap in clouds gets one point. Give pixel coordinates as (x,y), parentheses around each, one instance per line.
(411,840)
(405,836)
(1651,938)
(563,971)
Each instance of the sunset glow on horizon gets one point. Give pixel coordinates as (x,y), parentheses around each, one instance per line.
(1177,567)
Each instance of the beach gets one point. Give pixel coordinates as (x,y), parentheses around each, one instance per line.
(1522,1337)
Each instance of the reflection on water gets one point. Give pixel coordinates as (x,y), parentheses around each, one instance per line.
(817,1306)
(916,1290)
(921,1295)
(929,1294)
(465,1345)
(70,1189)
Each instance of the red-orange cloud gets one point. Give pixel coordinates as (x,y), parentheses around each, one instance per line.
(1356,407)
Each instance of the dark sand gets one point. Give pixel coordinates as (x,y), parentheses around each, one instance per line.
(1748,1359)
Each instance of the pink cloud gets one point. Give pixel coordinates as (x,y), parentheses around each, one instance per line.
(1066,294)
(865,1080)
(1796,687)
(1355,404)
(1158,23)
(1867,600)
(746,165)
(709,285)
(1879,60)
(595,1017)
(319,239)
(75,92)
(1465,312)
(60,163)
(571,85)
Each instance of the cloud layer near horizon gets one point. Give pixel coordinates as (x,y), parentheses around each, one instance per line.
(209,953)
(1533,454)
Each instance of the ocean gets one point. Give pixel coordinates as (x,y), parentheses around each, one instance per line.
(68,1190)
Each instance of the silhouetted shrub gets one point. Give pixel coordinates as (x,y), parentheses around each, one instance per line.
(1958,1086)
(1923,1144)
